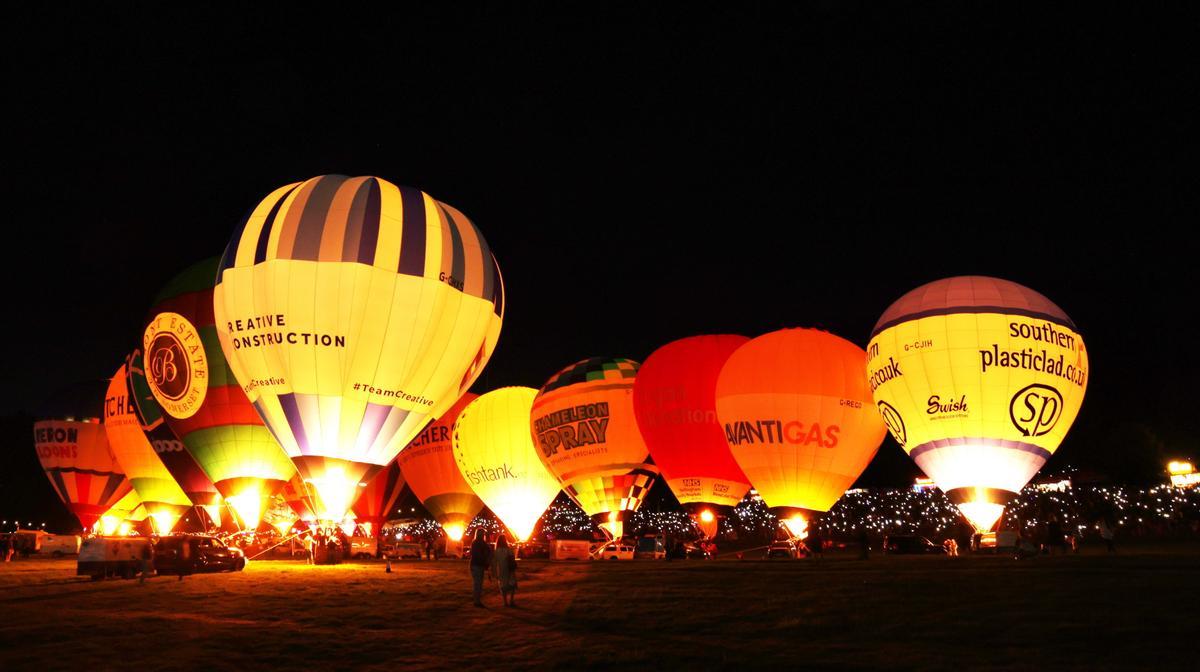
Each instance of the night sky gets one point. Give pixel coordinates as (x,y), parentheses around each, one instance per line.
(641,176)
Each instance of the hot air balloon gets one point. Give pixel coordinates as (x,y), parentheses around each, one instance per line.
(377,500)
(73,449)
(798,416)
(587,435)
(203,403)
(979,380)
(353,311)
(675,399)
(431,473)
(495,453)
(161,496)
(297,496)
(180,463)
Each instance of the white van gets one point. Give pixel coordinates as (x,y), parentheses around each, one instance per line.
(570,549)
(45,544)
(100,557)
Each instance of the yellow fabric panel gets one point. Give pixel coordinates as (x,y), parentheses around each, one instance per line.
(133,451)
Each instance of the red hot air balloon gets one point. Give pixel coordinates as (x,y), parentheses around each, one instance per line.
(675,399)
(378,498)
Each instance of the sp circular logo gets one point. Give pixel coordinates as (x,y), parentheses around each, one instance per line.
(895,423)
(176,365)
(1035,409)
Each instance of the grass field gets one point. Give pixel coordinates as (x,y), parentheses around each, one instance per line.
(1137,609)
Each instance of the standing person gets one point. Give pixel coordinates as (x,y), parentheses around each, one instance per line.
(1107,533)
(428,547)
(147,560)
(307,542)
(481,560)
(184,564)
(7,548)
(504,568)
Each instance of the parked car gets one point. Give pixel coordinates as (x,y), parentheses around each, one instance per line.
(534,549)
(207,554)
(910,544)
(613,551)
(650,547)
(407,549)
(783,549)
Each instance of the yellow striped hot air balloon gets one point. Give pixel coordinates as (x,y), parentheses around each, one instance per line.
(979,380)
(353,311)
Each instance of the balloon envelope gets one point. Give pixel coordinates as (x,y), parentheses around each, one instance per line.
(431,473)
(377,500)
(73,450)
(675,398)
(495,453)
(163,500)
(180,463)
(353,311)
(979,380)
(587,435)
(203,402)
(798,417)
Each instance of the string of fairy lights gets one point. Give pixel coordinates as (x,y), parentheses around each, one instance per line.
(1161,510)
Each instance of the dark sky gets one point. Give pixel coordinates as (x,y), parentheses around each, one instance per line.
(641,175)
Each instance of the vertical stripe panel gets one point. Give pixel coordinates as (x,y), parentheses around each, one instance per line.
(264,234)
(283,235)
(307,242)
(337,221)
(369,232)
(412,241)
(291,410)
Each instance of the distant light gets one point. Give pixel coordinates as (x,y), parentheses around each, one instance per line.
(1180,467)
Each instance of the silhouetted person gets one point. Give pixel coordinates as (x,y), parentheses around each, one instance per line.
(1107,533)
(504,568)
(147,560)
(481,560)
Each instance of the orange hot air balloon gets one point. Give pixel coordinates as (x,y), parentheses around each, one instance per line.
(162,497)
(431,473)
(377,499)
(798,416)
(675,398)
(587,435)
(73,449)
